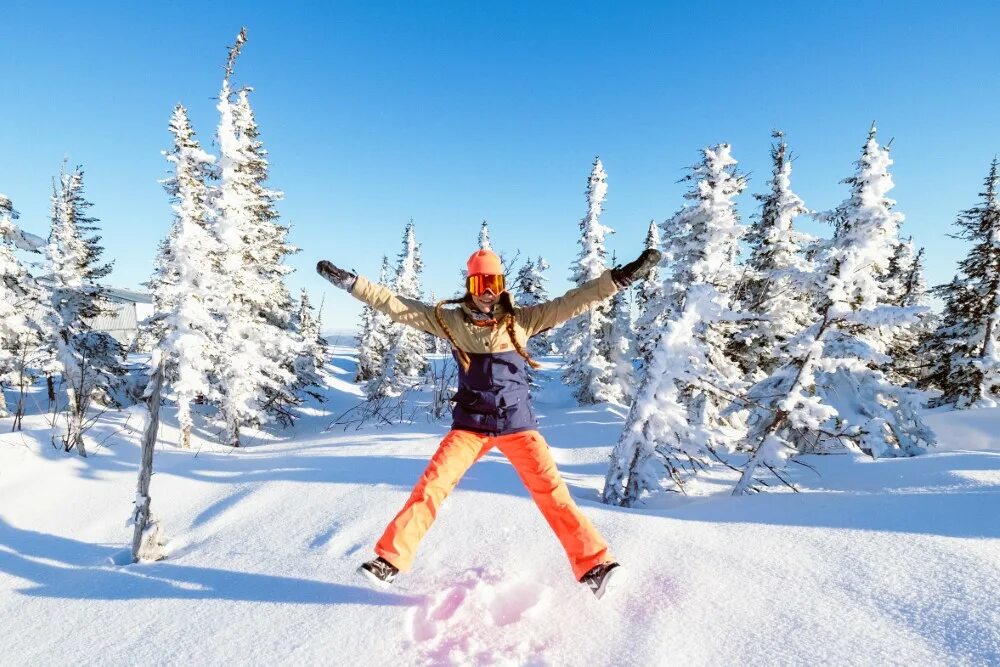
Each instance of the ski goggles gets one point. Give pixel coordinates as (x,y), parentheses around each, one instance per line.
(479,283)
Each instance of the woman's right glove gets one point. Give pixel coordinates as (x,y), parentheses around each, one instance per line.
(637,268)
(336,275)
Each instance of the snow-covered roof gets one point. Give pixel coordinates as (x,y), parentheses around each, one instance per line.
(128,294)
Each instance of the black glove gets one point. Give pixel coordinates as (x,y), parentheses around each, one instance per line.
(637,268)
(336,275)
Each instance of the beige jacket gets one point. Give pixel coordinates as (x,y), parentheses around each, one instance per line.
(472,338)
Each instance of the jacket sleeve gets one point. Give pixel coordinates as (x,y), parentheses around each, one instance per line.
(536,319)
(411,312)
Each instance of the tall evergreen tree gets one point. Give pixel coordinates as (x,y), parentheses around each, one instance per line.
(967,344)
(621,343)
(90,361)
(406,361)
(906,287)
(19,297)
(648,292)
(771,291)
(832,390)
(484,237)
(529,289)
(675,426)
(258,348)
(373,339)
(588,367)
(186,274)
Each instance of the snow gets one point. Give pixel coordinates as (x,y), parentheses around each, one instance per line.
(890,561)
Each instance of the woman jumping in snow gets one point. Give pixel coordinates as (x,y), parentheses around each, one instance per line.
(488,335)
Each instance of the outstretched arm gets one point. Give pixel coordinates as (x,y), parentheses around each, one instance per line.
(536,319)
(410,312)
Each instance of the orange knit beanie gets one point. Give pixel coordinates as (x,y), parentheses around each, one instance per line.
(484,262)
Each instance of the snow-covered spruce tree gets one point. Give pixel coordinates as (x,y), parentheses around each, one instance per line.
(832,390)
(406,360)
(771,292)
(255,369)
(373,338)
(905,287)
(529,289)
(588,367)
(621,343)
(19,334)
(484,237)
(187,332)
(312,356)
(90,361)
(675,427)
(648,292)
(967,344)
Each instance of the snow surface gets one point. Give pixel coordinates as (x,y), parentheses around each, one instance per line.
(879,562)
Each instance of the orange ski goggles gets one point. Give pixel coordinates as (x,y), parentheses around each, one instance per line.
(479,283)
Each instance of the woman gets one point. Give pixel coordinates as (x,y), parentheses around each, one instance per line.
(488,335)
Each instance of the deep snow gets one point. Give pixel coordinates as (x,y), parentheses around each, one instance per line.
(877,562)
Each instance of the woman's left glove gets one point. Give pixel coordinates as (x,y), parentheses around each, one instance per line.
(336,275)
(637,268)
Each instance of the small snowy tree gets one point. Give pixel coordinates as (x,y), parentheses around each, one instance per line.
(621,344)
(529,290)
(906,287)
(406,360)
(832,389)
(90,361)
(484,237)
(648,293)
(373,338)
(186,273)
(19,335)
(675,426)
(588,368)
(772,291)
(313,355)
(967,344)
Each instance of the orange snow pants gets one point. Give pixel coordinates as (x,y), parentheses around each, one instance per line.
(530,456)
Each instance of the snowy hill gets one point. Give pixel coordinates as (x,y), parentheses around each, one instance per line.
(877,562)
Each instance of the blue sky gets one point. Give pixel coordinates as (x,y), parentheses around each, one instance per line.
(453,112)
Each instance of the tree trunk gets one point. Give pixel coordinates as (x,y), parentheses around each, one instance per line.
(146,535)
(50,383)
(74,432)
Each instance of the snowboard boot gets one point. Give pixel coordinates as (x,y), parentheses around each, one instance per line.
(379,571)
(599,578)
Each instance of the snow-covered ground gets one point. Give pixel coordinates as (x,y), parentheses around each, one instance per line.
(877,562)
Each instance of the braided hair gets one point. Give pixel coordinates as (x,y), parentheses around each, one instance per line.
(508,320)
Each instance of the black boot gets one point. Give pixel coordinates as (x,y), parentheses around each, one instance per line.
(379,571)
(599,577)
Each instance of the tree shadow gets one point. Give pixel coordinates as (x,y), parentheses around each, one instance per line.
(58,567)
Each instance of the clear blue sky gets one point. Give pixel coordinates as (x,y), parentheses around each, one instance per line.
(453,112)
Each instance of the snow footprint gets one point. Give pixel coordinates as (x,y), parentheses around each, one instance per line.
(467,622)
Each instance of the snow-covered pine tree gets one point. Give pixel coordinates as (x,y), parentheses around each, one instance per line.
(967,344)
(406,361)
(373,338)
(90,361)
(484,237)
(905,287)
(255,371)
(588,367)
(832,391)
(771,291)
(675,426)
(648,292)
(19,335)
(621,343)
(313,355)
(529,289)
(186,330)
